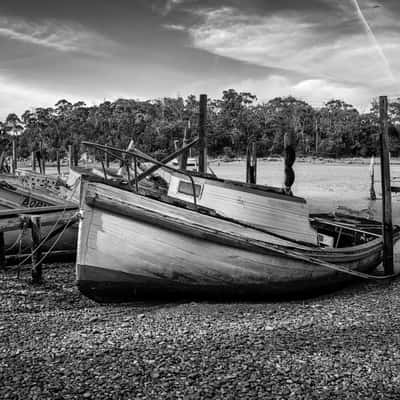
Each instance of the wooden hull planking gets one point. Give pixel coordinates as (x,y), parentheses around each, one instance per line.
(142,247)
(287,216)
(21,195)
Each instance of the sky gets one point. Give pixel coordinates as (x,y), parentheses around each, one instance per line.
(96,50)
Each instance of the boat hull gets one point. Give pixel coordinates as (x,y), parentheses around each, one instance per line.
(28,194)
(131,246)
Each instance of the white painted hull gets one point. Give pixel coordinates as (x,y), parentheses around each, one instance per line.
(287,216)
(156,248)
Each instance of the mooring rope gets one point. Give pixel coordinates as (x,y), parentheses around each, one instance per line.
(66,226)
(19,237)
(34,251)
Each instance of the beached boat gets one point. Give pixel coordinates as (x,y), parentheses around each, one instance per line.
(17,192)
(58,227)
(23,196)
(261,206)
(131,245)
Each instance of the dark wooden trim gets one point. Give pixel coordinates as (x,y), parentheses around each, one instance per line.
(37,210)
(386,193)
(203,134)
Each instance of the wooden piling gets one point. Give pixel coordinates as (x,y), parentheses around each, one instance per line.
(184,156)
(43,165)
(290,158)
(372,194)
(107,160)
(203,134)
(70,156)
(36,239)
(251,163)
(33,161)
(386,193)
(2,252)
(58,162)
(14,155)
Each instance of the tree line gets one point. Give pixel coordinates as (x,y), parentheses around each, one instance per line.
(336,129)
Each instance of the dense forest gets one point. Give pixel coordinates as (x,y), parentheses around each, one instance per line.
(335,130)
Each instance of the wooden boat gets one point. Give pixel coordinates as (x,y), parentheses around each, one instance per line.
(23,196)
(59,231)
(261,206)
(131,245)
(17,192)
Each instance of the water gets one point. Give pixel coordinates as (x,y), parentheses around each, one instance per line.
(325,186)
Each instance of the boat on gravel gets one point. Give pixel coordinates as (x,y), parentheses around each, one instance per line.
(135,245)
(26,195)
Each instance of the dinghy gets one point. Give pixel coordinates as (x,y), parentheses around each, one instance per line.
(23,196)
(134,246)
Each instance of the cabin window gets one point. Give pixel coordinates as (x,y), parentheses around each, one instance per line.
(187,188)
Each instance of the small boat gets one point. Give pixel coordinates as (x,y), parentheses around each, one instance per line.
(59,232)
(26,195)
(17,192)
(134,246)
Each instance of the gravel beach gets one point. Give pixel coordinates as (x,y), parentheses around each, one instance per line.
(56,344)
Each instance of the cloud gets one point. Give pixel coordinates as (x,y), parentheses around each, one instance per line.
(174,27)
(55,35)
(17,96)
(314,91)
(324,47)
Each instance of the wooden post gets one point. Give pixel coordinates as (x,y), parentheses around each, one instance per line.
(14,155)
(107,160)
(203,134)
(36,238)
(70,157)
(58,162)
(386,193)
(184,156)
(33,158)
(2,252)
(43,161)
(372,194)
(290,158)
(251,163)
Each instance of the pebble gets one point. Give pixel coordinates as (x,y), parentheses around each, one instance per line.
(339,346)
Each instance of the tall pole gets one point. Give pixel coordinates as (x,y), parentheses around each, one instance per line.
(184,156)
(70,157)
(290,158)
(203,134)
(33,158)
(386,193)
(251,163)
(14,154)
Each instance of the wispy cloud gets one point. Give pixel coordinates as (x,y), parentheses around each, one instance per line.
(55,35)
(309,43)
(314,91)
(175,27)
(17,96)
